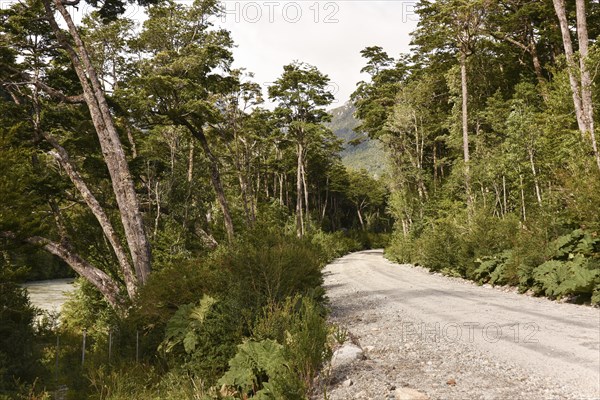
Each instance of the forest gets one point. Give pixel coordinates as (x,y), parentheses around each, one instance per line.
(198,220)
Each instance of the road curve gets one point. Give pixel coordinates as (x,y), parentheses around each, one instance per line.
(556,342)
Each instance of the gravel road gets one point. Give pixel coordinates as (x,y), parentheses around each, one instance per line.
(450,339)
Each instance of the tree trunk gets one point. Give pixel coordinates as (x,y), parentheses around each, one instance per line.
(538,193)
(215,176)
(523,210)
(504,194)
(104,283)
(305,188)
(360,218)
(299,218)
(112,149)
(586,80)
(465,126)
(90,200)
(559,7)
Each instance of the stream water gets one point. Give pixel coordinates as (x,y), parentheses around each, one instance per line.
(49,295)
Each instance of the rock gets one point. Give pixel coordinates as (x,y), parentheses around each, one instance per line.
(409,394)
(369,349)
(451,382)
(360,395)
(347,383)
(346,354)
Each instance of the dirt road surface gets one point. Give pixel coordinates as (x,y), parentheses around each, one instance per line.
(451,339)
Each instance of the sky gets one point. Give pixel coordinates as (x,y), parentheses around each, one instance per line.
(327,34)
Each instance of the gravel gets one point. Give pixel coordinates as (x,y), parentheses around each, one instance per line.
(430,336)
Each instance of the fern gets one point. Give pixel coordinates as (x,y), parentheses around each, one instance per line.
(574,268)
(255,370)
(183,327)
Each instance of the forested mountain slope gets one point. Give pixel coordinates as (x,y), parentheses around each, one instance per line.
(359,152)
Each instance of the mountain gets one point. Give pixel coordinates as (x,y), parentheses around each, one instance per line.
(368,154)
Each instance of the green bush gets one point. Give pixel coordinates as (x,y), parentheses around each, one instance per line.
(300,325)
(200,338)
(574,267)
(289,346)
(258,370)
(267,268)
(334,245)
(400,248)
(18,357)
(437,248)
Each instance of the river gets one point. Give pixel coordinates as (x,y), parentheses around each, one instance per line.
(51,294)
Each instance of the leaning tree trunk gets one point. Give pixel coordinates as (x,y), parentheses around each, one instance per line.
(90,200)
(100,279)
(110,142)
(112,150)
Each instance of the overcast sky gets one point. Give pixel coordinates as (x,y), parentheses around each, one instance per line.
(327,34)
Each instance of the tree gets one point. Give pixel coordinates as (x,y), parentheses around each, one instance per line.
(28,81)
(374,99)
(454,26)
(581,86)
(301,93)
(181,80)
(366,194)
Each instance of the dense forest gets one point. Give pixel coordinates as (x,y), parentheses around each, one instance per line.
(198,219)
(490,128)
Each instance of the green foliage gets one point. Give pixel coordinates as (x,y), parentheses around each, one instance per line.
(269,267)
(400,248)
(437,248)
(257,370)
(336,244)
(289,346)
(18,354)
(183,327)
(200,338)
(86,309)
(492,269)
(574,268)
(299,324)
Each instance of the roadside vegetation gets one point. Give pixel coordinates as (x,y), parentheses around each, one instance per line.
(489,127)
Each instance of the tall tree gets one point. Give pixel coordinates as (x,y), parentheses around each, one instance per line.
(179,83)
(454,26)
(581,86)
(301,93)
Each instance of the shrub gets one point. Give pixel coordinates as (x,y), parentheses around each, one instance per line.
(201,338)
(334,245)
(400,248)
(258,370)
(574,267)
(299,324)
(437,247)
(289,346)
(18,358)
(267,268)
